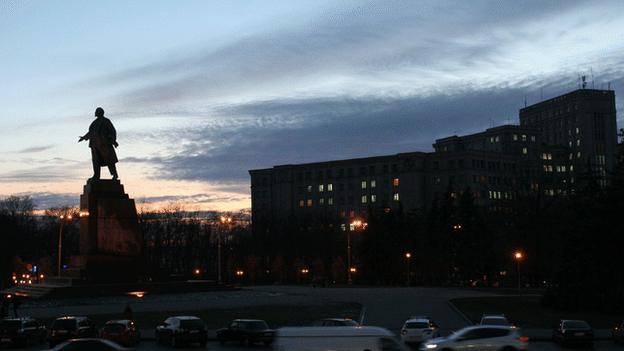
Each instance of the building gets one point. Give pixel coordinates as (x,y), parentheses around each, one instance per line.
(557,142)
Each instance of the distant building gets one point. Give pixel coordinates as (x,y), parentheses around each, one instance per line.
(558,141)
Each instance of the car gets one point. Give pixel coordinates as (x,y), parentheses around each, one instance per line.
(336,322)
(480,337)
(122,331)
(91,344)
(419,329)
(180,330)
(247,331)
(617,332)
(570,331)
(71,327)
(494,319)
(336,339)
(22,331)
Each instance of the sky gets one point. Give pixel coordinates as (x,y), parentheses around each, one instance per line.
(200,92)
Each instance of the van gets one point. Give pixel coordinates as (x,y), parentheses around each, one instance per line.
(360,338)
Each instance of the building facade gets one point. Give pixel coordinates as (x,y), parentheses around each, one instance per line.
(557,142)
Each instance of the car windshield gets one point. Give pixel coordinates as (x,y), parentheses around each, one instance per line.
(10,325)
(64,324)
(416,325)
(256,325)
(191,324)
(576,325)
(494,321)
(114,328)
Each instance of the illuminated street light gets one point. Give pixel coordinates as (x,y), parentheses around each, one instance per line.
(197,271)
(408,255)
(62,218)
(355,225)
(240,273)
(352,270)
(518,256)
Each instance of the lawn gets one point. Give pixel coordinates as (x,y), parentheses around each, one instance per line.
(527,312)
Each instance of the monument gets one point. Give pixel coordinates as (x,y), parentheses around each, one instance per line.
(110,238)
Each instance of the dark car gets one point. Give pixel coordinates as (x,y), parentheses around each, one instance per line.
(617,333)
(123,331)
(569,331)
(71,327)
(336,322)
(91,344)
(21,331)
(180,330)
(247,331)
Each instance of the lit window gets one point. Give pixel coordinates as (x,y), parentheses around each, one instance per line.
(549,156)
(373,198)
(373,183)
(330,200)
(321,188)
(364,199)
(395,181)
(570,157)
(363,184)
(578,154)
(309,202)
(321,201)
(524,150)
(301,203)
(571,168)
(497,139)
(577,130)
(395,197)
(491,139)
(524,138)
(515,137)
(330,187)
(570,143)
(343,227)
(544,157)
(533,138)
(309,188)
(578,142)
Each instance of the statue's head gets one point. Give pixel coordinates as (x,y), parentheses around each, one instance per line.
(99,112)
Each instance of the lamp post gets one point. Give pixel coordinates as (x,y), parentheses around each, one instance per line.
(224,221)
(408,256)
(355,225)
(62,218)
(518,256)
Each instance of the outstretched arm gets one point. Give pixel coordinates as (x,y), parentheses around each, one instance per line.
(84,137)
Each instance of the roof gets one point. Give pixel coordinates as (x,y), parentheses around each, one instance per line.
(422,320)
(119,321)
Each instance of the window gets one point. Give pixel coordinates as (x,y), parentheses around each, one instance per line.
(364,199)
(395,181)
(373,183)
(515,137)
(524,137)
(343,227)
(330,187)
(395,197)
(309,202)
(525,151)
(497,139)
(321,187)
(373,198)
(309,188)
(577,130)
(533,138)
(330,200)
(578,154)
(301,203)
(363,184)
(578,142)
(322,201)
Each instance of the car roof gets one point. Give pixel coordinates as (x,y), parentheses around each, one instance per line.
(72,317)
(480,326)
(493,315)
(248,320)
(574,320)
(422,320)
(18,319)
(185,317)
(338,319)
(119,321)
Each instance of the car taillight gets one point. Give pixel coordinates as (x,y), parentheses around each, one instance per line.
(523,338)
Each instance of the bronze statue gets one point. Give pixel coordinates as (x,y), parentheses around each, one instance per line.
(102,137)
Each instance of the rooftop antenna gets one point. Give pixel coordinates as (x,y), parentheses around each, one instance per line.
(609,86)
(591,71)
(583,82)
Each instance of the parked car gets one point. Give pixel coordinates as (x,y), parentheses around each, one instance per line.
(494,319)
(91,344)
(122,331)
(180,330)
(71,327)
(417,330)
(336,322)
(336,339)
(617,333)
(22,331)
(569,331)
(480,337)
(247,331)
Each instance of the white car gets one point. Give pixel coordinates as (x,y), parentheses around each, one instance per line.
(481,338)
(336,339)
(495,319)
(417,330)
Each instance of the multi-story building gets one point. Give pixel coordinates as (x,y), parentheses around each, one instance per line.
(557,141)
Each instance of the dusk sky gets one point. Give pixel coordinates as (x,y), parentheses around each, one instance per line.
(200,92)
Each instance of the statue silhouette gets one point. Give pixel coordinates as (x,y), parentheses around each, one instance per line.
(102,137)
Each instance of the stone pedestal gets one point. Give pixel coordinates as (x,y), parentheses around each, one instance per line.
(110,237)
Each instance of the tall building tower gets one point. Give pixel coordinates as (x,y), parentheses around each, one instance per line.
(583,123)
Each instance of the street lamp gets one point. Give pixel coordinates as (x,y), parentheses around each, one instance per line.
(355,225)
(408,256)
(518,256)
(224,221)
(62,218)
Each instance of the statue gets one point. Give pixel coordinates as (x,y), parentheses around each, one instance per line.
(102,137)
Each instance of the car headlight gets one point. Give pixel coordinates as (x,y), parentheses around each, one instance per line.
(431,346)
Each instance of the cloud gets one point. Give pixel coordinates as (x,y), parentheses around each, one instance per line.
(34,149)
